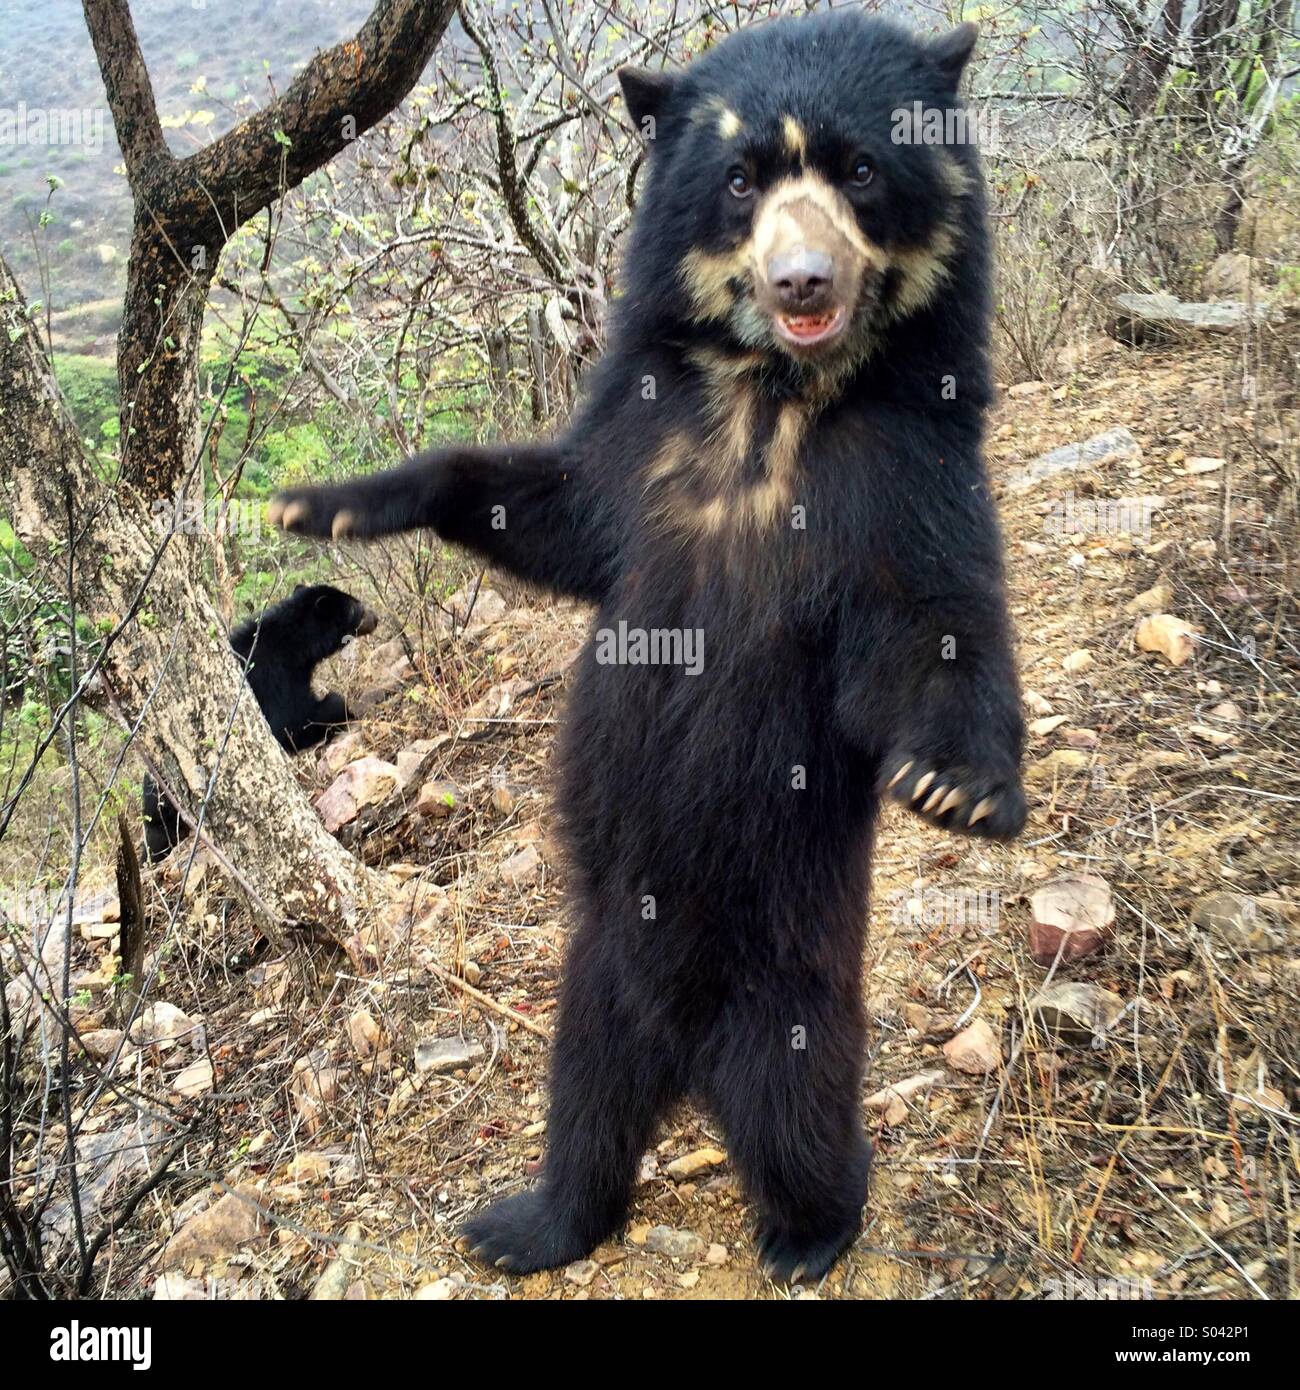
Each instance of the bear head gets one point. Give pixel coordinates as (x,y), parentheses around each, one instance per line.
(796,207)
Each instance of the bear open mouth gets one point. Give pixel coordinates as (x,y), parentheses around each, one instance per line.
(811,330)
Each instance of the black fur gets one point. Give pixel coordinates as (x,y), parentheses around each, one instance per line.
(721,823)
(279,649)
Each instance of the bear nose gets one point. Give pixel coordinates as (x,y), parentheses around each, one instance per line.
(803,279)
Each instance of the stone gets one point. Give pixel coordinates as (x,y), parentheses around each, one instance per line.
(441,1290)
(438,1055)
(1096,452)
(1060,762)
(231,1222)
(523,867)
(1074,1011)
(677,1245)
(472,608)
(101,1043)
(1163,318)
(363,1033)
(1078,662)
(196,1079)
(691,1165)
(975,1050)
(1174,639)
(1151,600)
(1230,276)
(438,799)
(363,782)
(1236,920)
(163,1025)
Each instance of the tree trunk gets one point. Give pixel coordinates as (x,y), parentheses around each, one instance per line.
(187,209)
(166,671)
(166,664)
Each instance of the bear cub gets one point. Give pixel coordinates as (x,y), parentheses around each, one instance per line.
(280,649)
(780,459)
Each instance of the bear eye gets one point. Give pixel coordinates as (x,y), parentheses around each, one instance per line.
(862,173)
(738,182)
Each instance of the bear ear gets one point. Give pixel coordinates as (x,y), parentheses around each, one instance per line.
(646,94)
(953,50)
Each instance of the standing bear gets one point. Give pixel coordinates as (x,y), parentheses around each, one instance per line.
(280,650)
(777,470)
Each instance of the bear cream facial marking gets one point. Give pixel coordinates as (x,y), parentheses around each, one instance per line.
(922,270)
(796,142)
(729,125)
(810,260)
(712,279)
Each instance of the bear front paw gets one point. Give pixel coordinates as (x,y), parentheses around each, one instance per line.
(328,512)
(957,798)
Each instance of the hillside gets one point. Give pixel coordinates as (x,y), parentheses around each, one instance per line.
(346,1110)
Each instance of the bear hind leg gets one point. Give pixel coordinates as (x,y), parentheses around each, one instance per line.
(787,1092)
(609,1087)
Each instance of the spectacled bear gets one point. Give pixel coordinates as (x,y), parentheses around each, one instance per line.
(779,457)
(280,650)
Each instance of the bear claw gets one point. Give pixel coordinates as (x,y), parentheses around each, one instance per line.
(788,1258)
(997,805)
(899,775)
(954,798)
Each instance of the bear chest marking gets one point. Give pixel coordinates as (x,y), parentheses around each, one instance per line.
(732,475)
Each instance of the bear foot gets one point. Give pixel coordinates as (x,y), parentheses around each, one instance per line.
(526,1232)
(791,1257)
(958,799)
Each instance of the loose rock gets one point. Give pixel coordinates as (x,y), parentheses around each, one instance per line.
(522,868)
(1174,639)
(975,1050)
(232,1221)
(1073,1011)
(1236,921)
(691,1165)
(439,1055)
(677,1245)
(1072,916)
(438,799)
(362,783)
(1097,452)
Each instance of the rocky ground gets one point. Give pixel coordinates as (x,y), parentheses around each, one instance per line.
(1083,1064)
